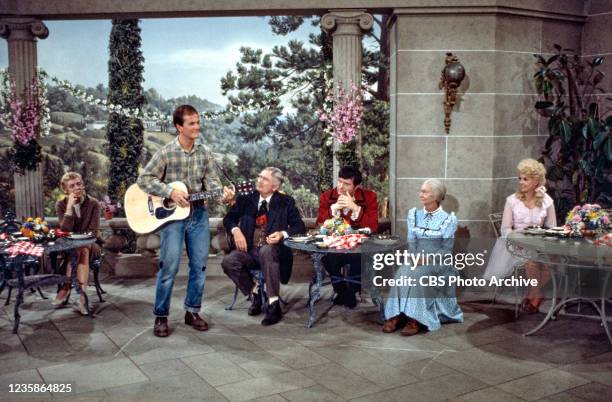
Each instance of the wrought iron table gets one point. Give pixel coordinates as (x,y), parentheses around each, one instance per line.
(317,281)
(562,257)
(22,282)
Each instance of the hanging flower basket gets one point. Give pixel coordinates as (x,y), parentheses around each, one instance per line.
(26,117)
(344,121)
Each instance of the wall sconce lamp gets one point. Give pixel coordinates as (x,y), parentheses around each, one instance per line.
(452,75)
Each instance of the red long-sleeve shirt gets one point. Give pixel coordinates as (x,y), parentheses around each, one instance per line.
(366,199)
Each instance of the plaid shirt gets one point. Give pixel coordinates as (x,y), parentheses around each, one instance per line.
(195,168)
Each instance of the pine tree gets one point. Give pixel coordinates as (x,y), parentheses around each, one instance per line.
(295,141)
(125,77)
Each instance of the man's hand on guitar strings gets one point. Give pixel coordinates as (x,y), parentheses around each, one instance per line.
(180,197)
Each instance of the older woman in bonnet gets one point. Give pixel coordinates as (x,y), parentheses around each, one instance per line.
(529,206)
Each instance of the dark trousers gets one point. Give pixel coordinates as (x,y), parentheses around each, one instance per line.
(237,264)
(334,262)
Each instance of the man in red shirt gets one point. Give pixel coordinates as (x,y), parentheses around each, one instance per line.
(360,208)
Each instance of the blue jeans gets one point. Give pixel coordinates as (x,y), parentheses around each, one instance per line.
(194,232)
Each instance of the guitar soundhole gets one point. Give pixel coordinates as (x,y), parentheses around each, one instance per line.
(168,209)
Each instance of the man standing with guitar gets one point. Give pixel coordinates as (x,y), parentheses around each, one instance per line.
(184,159)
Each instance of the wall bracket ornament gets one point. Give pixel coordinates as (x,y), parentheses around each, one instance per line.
(450,79)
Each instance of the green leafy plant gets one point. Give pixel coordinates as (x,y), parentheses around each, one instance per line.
(578,151)
(125,134)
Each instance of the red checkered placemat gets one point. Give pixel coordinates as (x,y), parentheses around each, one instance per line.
(24,247)
(345,242)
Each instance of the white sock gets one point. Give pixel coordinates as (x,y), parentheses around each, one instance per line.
(255,289)
(272,299)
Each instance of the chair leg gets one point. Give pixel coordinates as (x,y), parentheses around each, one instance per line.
(42,295)
(8,297)
(263,298)
(99,290)
(18,303)
(495,294)
(516,294)
(231,306)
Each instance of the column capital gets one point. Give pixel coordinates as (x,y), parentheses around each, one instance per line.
(347,22)
(25,29)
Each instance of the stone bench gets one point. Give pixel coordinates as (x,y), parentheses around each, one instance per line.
(146,259)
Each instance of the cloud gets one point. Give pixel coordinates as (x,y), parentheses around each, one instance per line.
(204,66)
(203,57)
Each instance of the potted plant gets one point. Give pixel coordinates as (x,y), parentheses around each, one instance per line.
(578,151)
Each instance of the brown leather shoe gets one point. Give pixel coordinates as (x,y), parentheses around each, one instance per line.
(160,328)
(391,325)
(195,321)
(411,328)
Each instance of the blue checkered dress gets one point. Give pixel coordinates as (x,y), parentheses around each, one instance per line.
(430,233)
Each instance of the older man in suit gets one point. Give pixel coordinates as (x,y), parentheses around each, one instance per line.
(258,223)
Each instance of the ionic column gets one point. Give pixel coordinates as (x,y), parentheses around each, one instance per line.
(347,29)
(21,35)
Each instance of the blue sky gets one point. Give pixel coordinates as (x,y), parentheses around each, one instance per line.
(182,56)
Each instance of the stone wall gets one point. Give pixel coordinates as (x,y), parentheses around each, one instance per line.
(596,38)
(494,125)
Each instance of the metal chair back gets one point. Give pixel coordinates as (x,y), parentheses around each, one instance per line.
(496,219)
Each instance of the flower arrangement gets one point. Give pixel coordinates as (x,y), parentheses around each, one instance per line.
(344,121)
(35,228)
(336,226)
(108,207)
(588,217)
(27,117)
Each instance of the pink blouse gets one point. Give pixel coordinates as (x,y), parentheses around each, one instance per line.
(517,216)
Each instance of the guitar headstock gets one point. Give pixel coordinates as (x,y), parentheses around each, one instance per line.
(245,187)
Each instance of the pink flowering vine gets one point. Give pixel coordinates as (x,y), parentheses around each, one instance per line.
(344,121)
(24,118)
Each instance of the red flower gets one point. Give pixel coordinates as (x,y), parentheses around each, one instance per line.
(262,220)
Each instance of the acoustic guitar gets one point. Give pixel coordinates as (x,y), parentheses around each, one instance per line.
(146,213)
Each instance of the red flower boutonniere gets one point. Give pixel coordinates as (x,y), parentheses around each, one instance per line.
(262,220)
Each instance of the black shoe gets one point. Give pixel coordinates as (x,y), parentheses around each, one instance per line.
(350,300)
(160,328)
(273,314)
(255,308)
(341,294)
(340,299)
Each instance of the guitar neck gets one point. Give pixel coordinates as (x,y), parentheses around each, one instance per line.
(203,195)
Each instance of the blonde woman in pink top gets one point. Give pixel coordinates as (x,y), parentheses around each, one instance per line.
(529,206)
